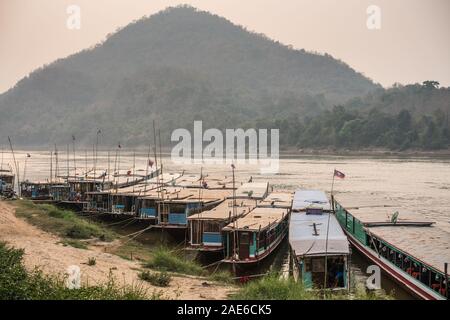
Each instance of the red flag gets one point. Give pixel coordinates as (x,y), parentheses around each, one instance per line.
(150,163)
(129,173)
(339,174)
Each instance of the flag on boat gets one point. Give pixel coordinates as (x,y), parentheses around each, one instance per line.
(150,163)
(232,166)
(28,155)
(339,174)
(120,147)
(129,173)
(73,137)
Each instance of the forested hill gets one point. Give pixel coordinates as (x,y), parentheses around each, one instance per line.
(174,67)
(399,118)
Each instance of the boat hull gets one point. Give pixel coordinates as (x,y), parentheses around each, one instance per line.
(259,258)
(413,286)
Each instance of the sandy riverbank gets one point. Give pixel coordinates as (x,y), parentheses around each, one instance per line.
(45,251)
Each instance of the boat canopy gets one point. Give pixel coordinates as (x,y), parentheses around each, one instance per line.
(225,210)
(253,190)
(310,199)
(258,219)
(308,235)
(277,200)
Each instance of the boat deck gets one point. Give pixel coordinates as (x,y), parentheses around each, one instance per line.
(253,190)
(259,219)
(412,233)
(308,235)
(277,200)
(225,210)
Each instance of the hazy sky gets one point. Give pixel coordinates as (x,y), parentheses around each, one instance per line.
(411,46)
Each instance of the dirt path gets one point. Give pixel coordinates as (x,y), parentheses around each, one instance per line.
(45,251)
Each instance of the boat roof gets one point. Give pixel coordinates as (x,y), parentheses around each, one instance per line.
(43,182)
(167,178)
(6,173)
(378,211)
(306,199)
(430,245)
(257,189)
(199,195)
(213,181)
(304,241)
(277,199)
(224,210)
(259,219)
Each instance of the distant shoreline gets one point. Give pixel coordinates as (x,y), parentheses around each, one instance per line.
(284,152)
(445,153)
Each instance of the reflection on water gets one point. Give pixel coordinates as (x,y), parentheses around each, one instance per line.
(416,184)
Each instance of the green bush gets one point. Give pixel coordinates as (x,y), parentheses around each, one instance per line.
(161,279)
(92,261)
(18,284)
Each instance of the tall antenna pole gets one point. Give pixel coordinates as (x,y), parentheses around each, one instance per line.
(51,165)
(109,165)
(85,164)
(134,168)
(16,165)
(74,157)
(156,158)
(148,164)
(56,163)
(67,162)
(25,167)
(234,220)
(93,160)
(115,168)
(160,160)
(96,147)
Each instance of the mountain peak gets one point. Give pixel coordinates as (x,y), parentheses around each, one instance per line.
(176,65)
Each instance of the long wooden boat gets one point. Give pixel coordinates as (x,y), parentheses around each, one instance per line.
(319,248)
(125,200)
(205,228)
(255,236)
(174,212)
(7,179)
(407,247)
(43,190)
(147,204)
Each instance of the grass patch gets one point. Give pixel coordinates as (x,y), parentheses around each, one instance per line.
(74,243)
(64,223)
(222,276)
(161,279)
(164,259)
(132,250)
(16,283)
(272,287)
